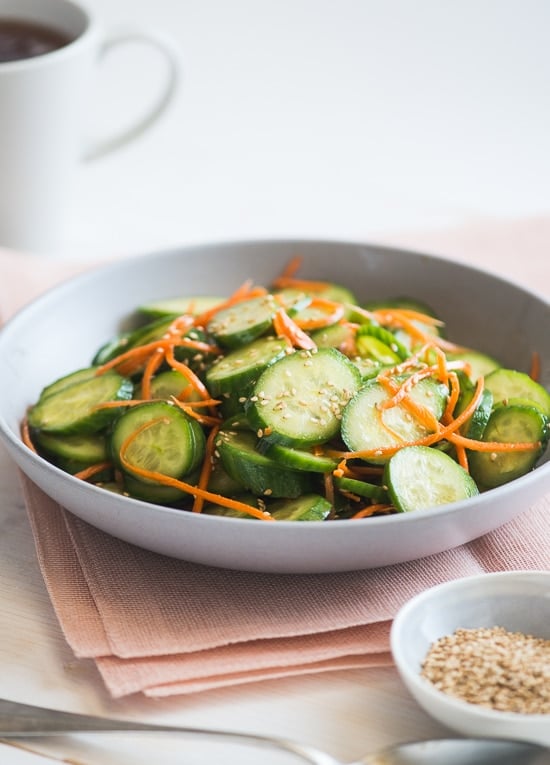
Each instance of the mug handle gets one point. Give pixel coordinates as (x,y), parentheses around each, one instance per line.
(107,145)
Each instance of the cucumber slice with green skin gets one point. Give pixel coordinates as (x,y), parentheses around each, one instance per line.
(480,363)
(85,449)
(243,322)
(236,373)
(475,426)
(338,336)
(173,444)
(301,459)
(386,340)
(63,382)
(245,497)
(298,401)
(72,410)
(177,306)
(173,383)
(373,348)
(309,507)
(74,466)
(509,424)
(505,384)
(151,331)
(366,427)
(419,477)
(362,488)
(157,493)
(256,472)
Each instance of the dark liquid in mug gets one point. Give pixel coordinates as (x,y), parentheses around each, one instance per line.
(25,39)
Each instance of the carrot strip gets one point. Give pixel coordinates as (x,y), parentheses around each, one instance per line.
(26,436)
(206,467)
(245,292)
(334,312)
(202,418)
(285,327)
(154,362)
(534,372)
(453,398)
(166,480)
(92,470)
(494,446)
(293,265)
(369,510)
(307,285)
(187,372)
(440,434)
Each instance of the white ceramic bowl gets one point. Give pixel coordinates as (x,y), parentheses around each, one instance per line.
(518,601)
(61,330)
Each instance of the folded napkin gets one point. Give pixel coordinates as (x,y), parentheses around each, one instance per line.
(159,626)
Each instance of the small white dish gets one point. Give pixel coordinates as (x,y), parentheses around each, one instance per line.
(518,601)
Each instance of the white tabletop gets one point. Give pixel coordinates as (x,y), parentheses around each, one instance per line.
(353,119)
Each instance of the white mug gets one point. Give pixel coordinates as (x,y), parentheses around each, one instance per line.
(43,100)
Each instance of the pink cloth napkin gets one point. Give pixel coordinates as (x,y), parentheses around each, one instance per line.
(159,626)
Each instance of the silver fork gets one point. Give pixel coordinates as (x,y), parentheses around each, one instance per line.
(23,720)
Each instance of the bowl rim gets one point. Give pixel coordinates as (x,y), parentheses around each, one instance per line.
(528,484)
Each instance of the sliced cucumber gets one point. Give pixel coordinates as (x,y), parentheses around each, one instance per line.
(243,322)
(194,305)
(237,372)
(63,382)
(173,383)
(73,409)
(480,364)
(254,471)
(387,349)
(151,331)
(309,507)
(509,424)
(85,449)
(165,440)
(298,401)
(419,477)
(505,384)
(366,426)
(157,493)
(369,347)
(301,459)
(475,426)
(362,488)
(337,335)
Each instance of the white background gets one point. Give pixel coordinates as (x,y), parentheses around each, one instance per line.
(337,118)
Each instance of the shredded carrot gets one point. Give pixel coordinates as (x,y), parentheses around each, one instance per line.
(245,292)
(333,313)
(165,480)
(329,491)
(453,397)
(187,372)
(206,468)
(154,362)
(285,327)
(307,285)
(26,436)
(534,372)
(494,446)
(203,419)
(369,510)
(462,457)
(92,470)
(292,267)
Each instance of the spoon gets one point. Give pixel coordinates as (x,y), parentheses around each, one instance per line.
(23,720)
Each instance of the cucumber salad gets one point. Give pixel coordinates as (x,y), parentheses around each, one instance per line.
(292,402)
